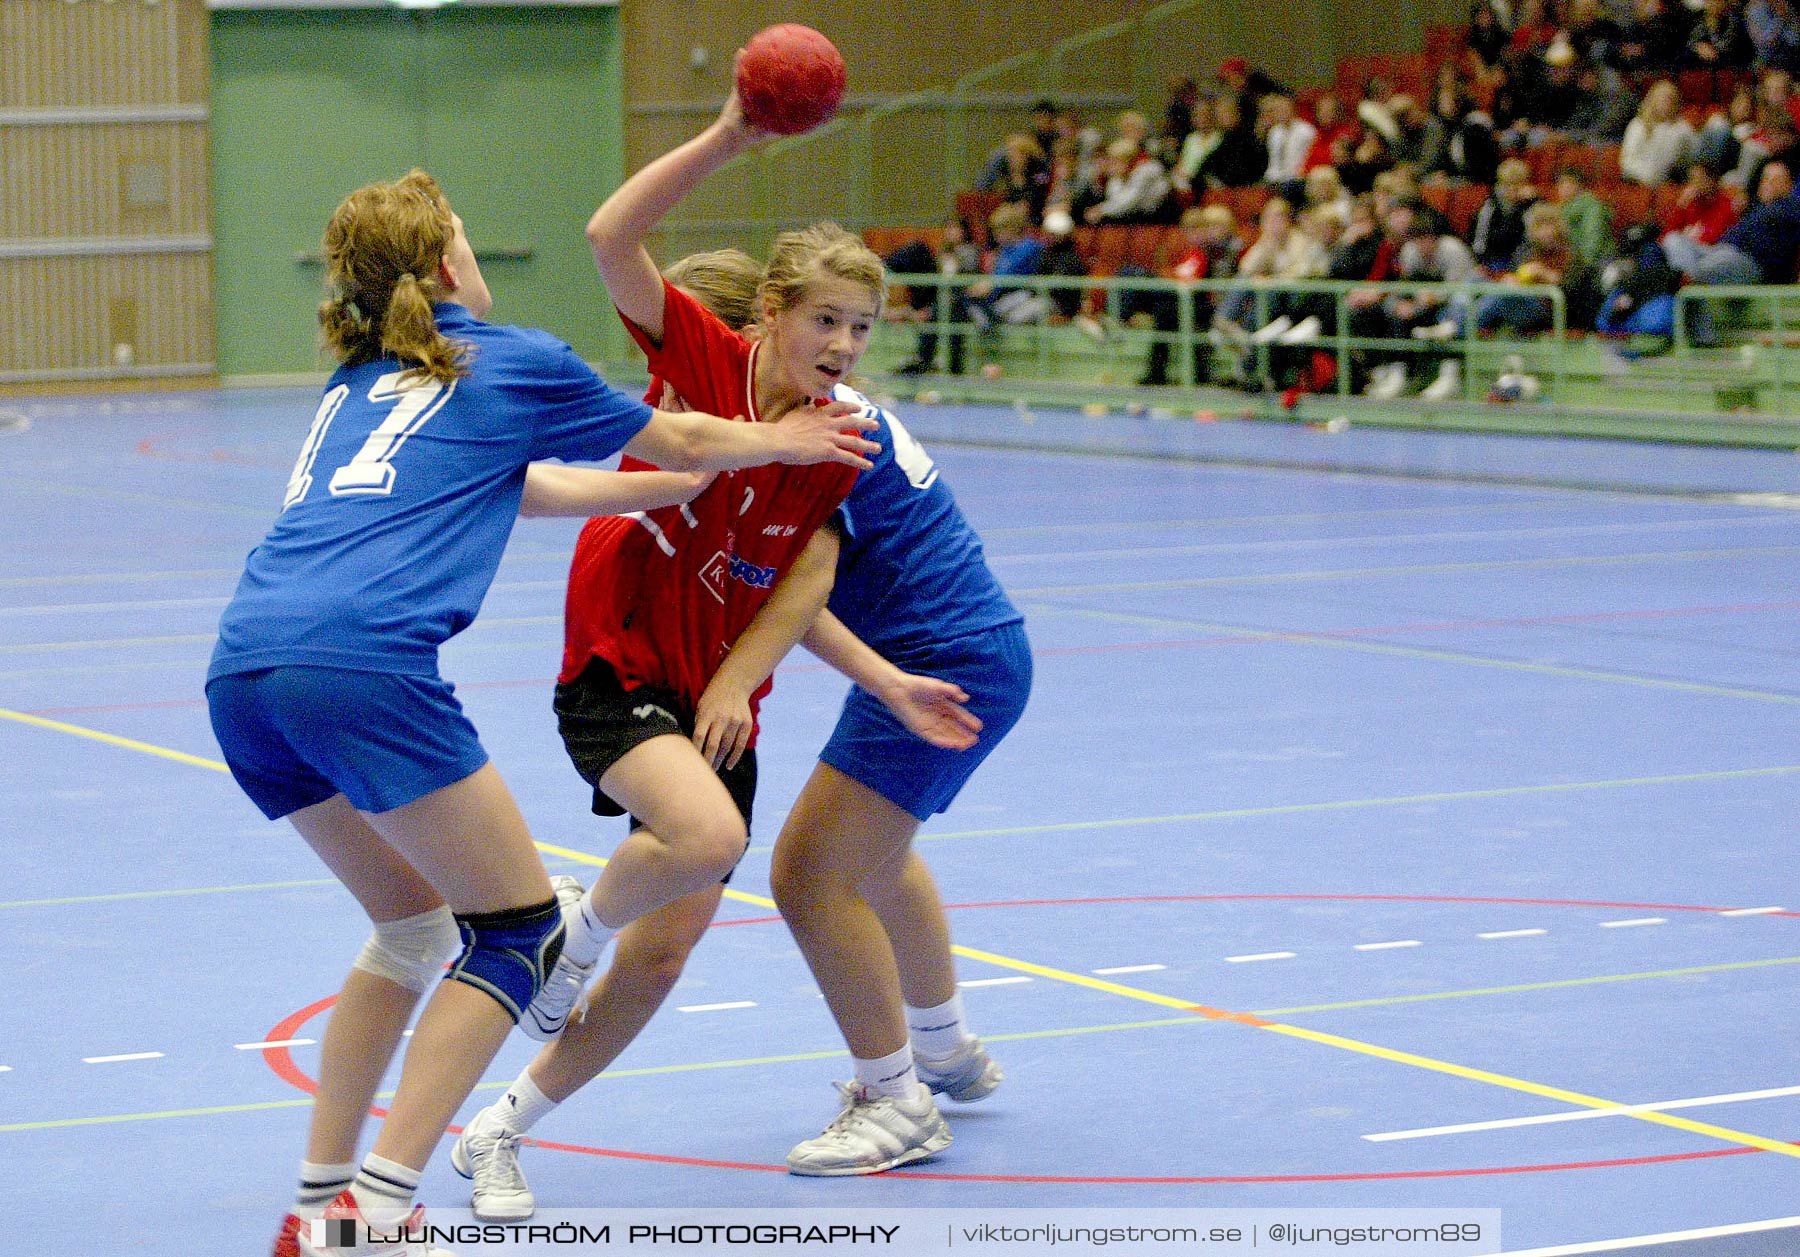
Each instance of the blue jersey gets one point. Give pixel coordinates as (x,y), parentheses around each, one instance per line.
(402,499)
(911,572)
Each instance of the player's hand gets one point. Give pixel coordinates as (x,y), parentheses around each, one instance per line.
(933,710)
(828,434)
(722,726)
(732,120)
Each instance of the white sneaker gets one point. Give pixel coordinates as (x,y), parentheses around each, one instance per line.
(1272,330)
(342,1215)
(1092,328)
(872,1134)
(1447,385)
(547,1015)
(1387,381)
(1442,330)
(1305,332)
(488,1153)
(966,1075)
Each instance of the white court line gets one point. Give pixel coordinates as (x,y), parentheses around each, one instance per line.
(1750,912)
(1582,1115)
(1667,1237)
(1635,921)
(128,1056)
(716,1008)
(1130,969)
(5,1069)
(993,982)
(1261,955)
(1513,934)
(274,1043)
(1401,942)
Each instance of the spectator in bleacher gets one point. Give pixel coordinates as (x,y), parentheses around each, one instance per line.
(1487,39)
(1331,126)
(1206,247)
(1062,258)
(1655,40)
(956,256)
(1760,248)
(1658,140)
(1370,159)
(1776,91)
(1590,218)
(1771,139)
(1593,35)
(1499,227)
(1248,86)
(1178,116)
(1704,209)
(1043,124)
(1547,257)
(1605,105)
(1020,173)
(1203,139)
(1471,153)
(1282,251)
(1325,194)
(1375,110)
(1533,28)
(1016,255)
(1718,39)
(1137,187)
(1240,159)
(1431,257)
(1288,138)
(1418,134)
(1719,142)
(1774,31)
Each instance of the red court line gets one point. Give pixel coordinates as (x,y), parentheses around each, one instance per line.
(282,1062)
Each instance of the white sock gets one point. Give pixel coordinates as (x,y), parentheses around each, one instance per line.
(523,1106)
(584,933)
(319,1186)
(938,1031)
(890,1075)
(384,1191)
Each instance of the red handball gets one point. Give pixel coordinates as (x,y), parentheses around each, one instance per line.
(791,79)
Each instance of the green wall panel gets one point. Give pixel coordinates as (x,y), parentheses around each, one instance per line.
(516,111)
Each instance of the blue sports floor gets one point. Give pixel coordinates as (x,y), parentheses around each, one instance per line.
(1365,837)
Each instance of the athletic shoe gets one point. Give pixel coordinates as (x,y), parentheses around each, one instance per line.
(1386,381)
(872,1134)
(1443,329)
(547,1015)
(343,1212)
(966,1075)
(1305,332)
(1272,330)
(1447,385)
(287,1239)
(489,1153)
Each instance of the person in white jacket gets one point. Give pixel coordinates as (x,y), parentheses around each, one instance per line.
(1658,140)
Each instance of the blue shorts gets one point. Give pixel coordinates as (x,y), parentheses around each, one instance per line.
(870,746)
(295,736)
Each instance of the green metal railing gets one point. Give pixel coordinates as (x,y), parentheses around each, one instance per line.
(1477,353)
(1740,333)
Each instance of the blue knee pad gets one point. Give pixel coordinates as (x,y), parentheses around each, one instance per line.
(510,954)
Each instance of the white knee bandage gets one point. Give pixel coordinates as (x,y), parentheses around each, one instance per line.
(413,950)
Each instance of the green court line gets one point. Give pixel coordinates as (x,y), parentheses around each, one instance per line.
(1368,647)
(215,1110)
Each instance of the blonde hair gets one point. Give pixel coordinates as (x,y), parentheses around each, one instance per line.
(801,258)
(1512,171)
(383,246)
(725,281)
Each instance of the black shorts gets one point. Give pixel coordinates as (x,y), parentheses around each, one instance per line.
(600,720)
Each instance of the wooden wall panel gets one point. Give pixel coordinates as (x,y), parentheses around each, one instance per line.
(105,212)
(108,180)
(74,312)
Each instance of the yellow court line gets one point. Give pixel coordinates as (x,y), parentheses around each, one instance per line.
(113,739)
(1721,1133)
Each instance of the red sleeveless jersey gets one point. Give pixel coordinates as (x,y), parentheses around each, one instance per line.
(662,595)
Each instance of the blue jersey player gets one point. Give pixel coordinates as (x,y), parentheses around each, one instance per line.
(324,689)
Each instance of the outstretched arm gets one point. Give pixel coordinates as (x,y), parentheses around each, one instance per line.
(618,228)
(931,709)
(552,490)
(722,719)
(688,441)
